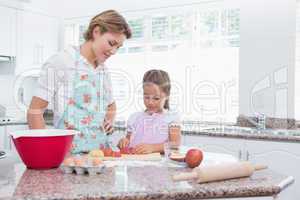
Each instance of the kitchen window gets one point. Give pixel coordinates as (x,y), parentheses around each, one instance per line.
(197,45)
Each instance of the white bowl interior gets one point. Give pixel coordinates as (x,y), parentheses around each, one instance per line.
(42,133)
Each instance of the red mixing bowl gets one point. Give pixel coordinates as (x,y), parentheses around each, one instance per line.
(43,148)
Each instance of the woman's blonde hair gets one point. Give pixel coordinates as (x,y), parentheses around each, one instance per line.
(161,79)
(108,21)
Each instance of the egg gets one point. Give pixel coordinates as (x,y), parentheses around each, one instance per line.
(96,153)
(68,161)
(79,162)
(97,162)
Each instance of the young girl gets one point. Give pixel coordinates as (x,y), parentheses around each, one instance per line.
(147,131)
(78,86)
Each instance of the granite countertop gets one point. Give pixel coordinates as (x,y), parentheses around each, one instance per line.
(270,134)
(280,135)
(131,180)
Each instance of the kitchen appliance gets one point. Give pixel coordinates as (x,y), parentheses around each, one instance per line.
(2,154)
(42,148)
(9,102)
(2,111)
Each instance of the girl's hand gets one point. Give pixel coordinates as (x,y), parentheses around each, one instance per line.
(124,142)
(144,148)
(108,126)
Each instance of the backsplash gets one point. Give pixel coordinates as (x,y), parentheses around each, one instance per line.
(271,122)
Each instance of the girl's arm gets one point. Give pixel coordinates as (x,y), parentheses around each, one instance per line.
(35,113)
(174,137)
(149,148)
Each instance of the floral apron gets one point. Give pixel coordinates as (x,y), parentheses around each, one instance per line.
(85,108)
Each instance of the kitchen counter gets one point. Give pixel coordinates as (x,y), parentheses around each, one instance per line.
(279,135)
(21,122)
(238,132)
(131,180)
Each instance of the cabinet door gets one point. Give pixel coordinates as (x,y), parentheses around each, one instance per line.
(38,39)
(8,31)
(2,135)
(216,144)
(281,157)
(27,40)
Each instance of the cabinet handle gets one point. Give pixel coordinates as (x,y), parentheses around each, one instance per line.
(7,144)
(247,155)
(42,54)
(240,154)
(35,54)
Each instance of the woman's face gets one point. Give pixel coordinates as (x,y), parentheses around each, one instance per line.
(154,98)
(106,44)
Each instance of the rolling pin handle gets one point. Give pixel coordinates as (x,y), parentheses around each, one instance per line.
(260,167)
(185,176)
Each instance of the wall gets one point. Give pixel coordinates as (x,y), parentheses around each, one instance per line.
(42,6)
(91,7)
(266,73)
(267,57)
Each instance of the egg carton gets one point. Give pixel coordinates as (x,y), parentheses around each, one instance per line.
(80,170)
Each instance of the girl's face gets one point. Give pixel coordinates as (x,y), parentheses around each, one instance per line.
(154,98)
(106,44)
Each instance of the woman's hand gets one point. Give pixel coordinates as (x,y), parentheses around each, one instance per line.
(35,113)
(107,126)
(109,118)
(124,142)
(144,148)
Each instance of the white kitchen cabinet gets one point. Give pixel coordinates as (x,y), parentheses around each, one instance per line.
(230,146)
(38,37)
(2,135)
(7,31)
(282,157)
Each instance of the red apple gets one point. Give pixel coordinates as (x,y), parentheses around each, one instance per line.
(127,150)
(116,154)
(102,147)
(131,150)
(107,151)
(124,150)
(193,157)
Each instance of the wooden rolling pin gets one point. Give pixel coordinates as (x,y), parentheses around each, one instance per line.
(219,172)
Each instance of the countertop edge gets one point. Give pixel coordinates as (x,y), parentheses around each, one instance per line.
(285,183)
(254,136)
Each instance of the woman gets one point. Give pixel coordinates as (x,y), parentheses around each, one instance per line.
(77,85)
